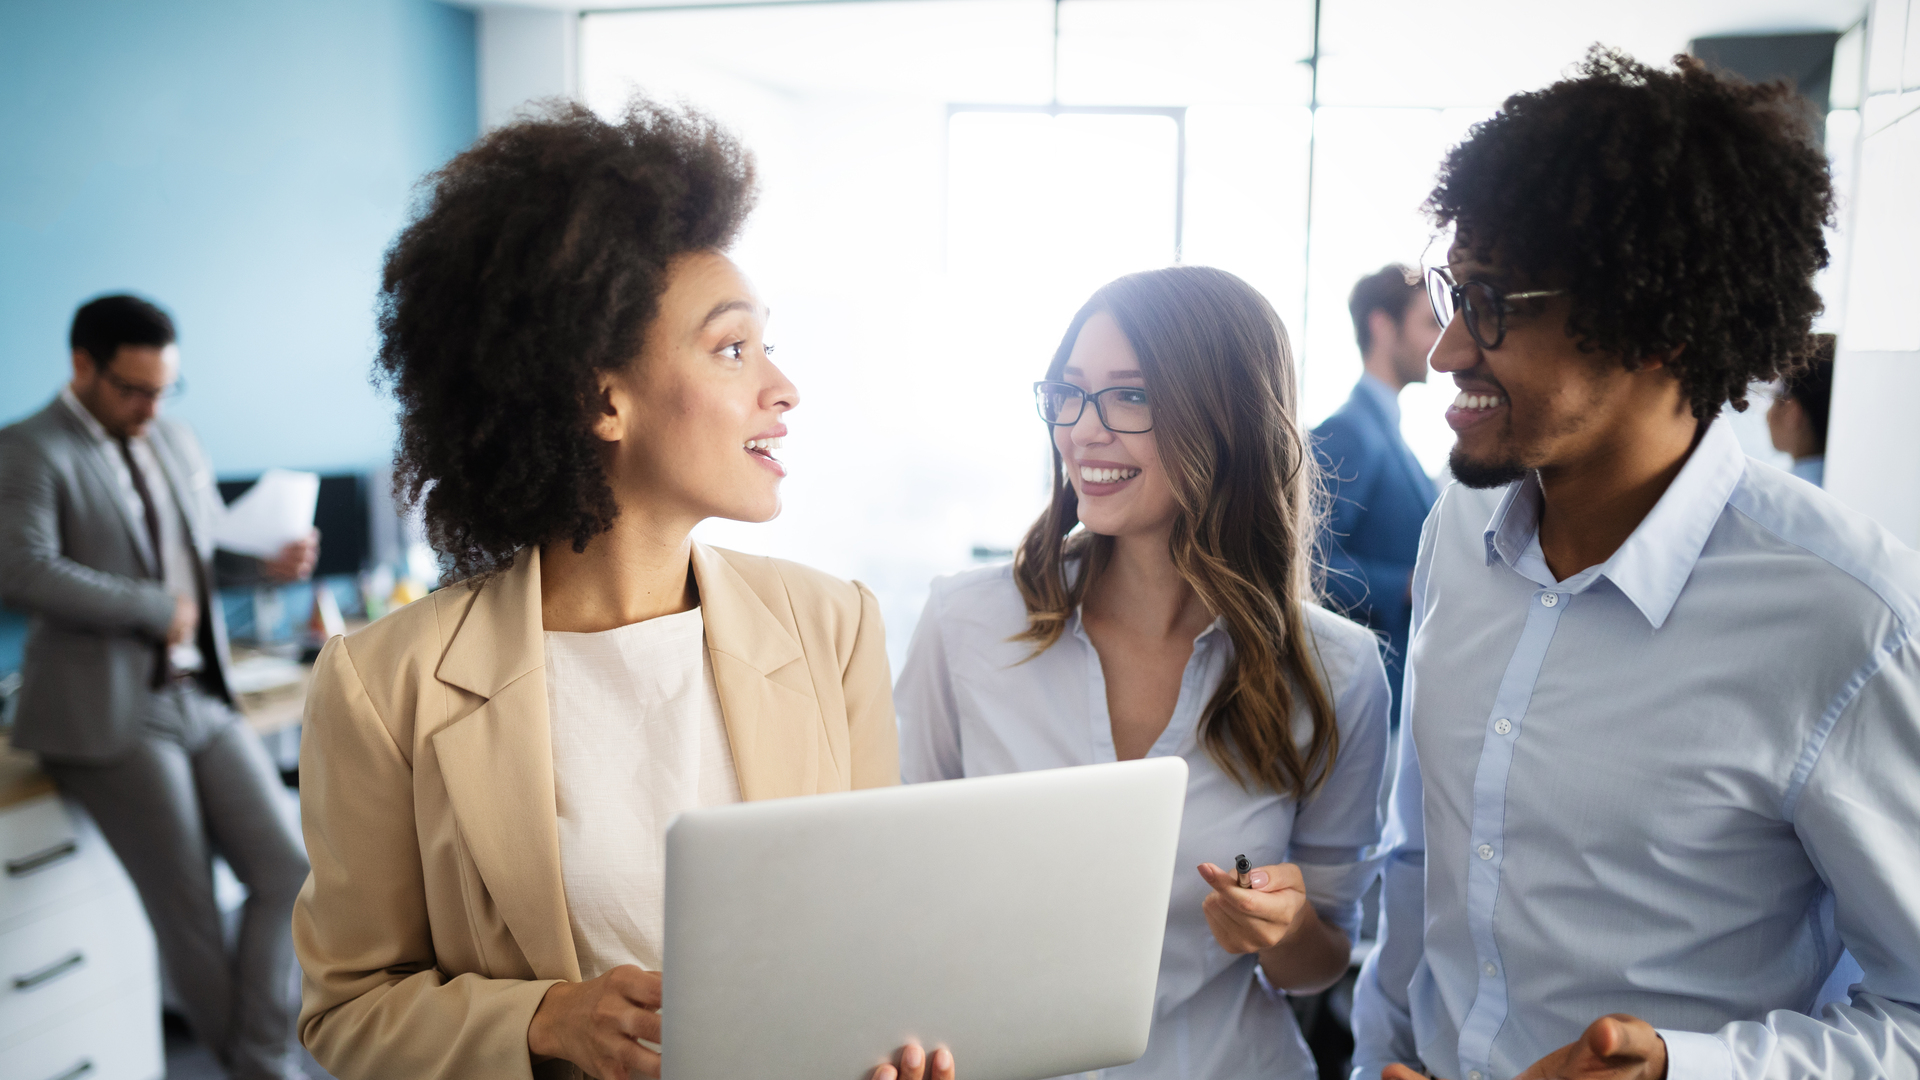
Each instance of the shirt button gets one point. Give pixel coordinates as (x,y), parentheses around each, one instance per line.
(1489,968)
(1502,726)
(1550,599)
(1485,851)
(1475,1075)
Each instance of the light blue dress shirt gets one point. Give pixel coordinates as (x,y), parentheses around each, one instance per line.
(1384,396)
(974,703)
(1675,785)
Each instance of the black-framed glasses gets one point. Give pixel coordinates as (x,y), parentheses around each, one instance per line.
(145,393)
(1122,409)
(1486,307)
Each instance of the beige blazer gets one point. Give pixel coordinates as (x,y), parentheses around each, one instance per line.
(434,920)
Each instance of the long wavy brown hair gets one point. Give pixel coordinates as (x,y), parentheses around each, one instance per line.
(1220,378)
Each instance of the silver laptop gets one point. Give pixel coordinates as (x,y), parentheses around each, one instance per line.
(1016,919)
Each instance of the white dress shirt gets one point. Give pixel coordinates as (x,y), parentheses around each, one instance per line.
(637,738)
(177,557)
(972,703)
(1675,785)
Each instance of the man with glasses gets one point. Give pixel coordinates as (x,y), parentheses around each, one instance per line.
(107,512)
(1664,706)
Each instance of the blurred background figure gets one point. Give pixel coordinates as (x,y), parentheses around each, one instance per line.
(1797,419)
(1378,495)
(107,519)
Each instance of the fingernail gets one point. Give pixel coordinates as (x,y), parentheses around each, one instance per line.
(912,1059)
(942,1059)
(1257,879)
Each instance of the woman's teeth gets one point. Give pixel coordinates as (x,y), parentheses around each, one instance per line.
(1090,475)
(764,444)
(1478,401)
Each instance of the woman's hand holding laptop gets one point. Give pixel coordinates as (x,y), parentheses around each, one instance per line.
(596,1024)
(599,1024)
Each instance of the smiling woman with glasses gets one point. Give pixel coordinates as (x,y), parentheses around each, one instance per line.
(1162,605)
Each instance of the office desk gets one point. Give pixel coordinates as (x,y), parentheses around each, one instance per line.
(79,977)
(272,710)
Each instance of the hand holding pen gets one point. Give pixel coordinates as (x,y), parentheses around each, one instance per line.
(1253,908)
(1264,910)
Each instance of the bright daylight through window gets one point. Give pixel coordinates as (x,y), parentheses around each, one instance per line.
(928,225)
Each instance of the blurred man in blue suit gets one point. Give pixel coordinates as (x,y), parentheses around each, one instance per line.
(1379,494)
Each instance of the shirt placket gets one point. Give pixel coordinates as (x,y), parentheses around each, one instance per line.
(1099,721)
(1487,843)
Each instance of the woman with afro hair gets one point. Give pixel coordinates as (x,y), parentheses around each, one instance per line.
(582,377)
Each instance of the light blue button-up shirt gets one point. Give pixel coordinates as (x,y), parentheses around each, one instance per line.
(1675,785)
(1383,395)
(972,702)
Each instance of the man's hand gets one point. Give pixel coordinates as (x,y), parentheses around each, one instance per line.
(594,1024)
(1614,1047)
(186,619)
(295,561)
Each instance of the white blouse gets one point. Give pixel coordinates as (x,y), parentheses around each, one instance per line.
(971,703)
(637,738)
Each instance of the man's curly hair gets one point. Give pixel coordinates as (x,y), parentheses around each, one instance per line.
(537,263)
(1678,208)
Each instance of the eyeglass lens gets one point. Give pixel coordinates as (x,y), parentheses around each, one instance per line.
(1122,409)
(1483,314)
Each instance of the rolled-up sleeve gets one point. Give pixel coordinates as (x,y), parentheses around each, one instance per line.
(1336,833)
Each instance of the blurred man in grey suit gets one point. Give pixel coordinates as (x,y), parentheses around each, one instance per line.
(107,513)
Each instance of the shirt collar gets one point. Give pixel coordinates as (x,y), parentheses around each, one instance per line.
(1653,565)
(87,419)
(1383,395)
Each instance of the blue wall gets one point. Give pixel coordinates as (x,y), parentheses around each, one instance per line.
(242,162)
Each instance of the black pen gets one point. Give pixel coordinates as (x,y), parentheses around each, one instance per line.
(1241,866)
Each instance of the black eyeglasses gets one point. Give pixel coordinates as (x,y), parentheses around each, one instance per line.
(1122,409)
(146,393)
(1480,301)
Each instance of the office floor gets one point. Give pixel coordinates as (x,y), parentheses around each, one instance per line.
(188,1060)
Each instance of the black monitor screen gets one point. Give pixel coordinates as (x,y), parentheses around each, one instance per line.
(340,514)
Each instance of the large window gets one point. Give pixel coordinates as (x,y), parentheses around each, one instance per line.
(945,181)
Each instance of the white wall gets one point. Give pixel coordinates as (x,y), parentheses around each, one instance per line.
(1873,449)
(525,53)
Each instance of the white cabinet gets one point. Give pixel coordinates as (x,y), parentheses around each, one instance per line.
(79,979)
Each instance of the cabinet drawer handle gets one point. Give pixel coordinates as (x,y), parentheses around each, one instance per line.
(40,860)
(75,1073)
(64,966)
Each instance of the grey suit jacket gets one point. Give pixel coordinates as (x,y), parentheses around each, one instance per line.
(78,561)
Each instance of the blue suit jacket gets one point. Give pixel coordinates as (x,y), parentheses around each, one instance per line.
(1380,499)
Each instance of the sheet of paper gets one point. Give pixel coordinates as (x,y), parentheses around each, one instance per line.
(274,512)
